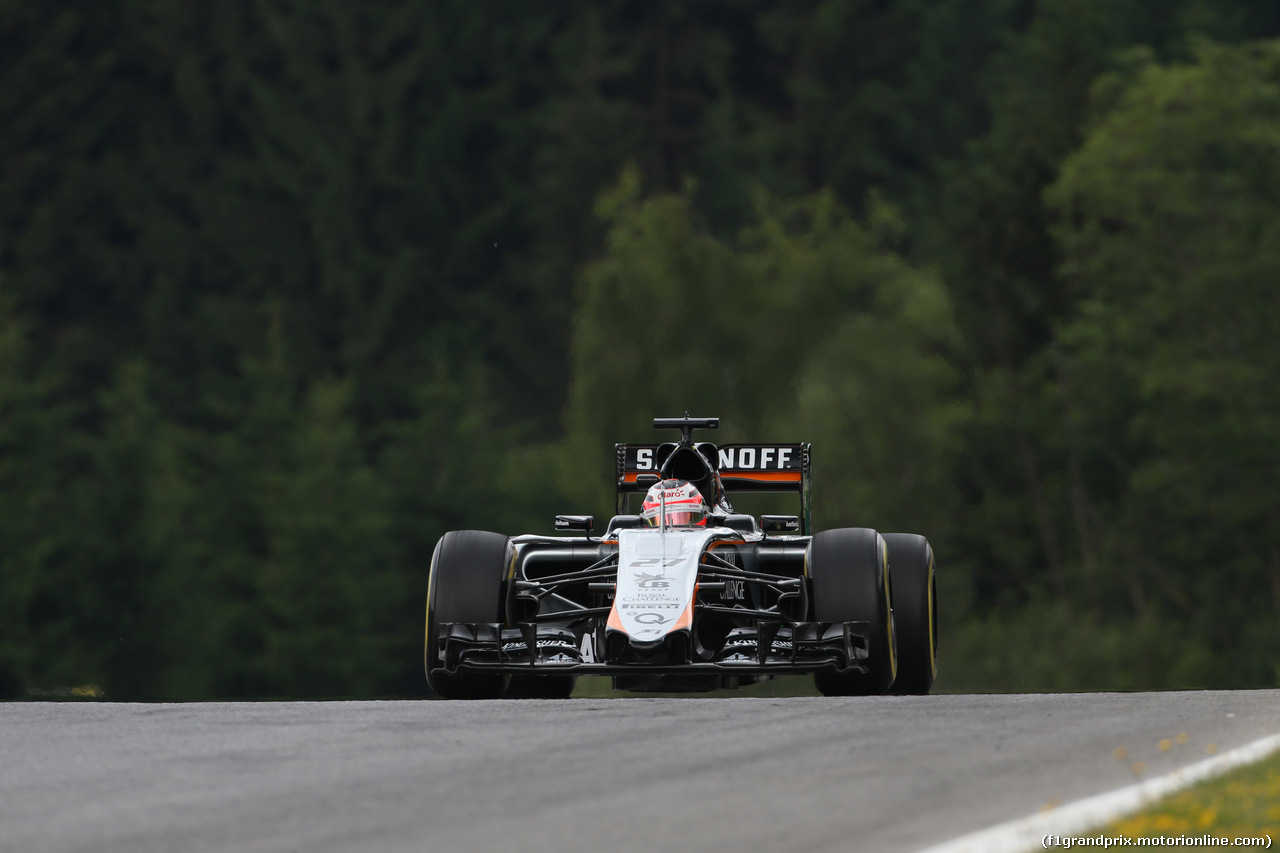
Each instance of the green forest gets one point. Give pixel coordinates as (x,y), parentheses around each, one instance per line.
(289,289)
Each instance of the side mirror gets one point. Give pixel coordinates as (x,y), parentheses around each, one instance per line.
(584,523)
(780,523)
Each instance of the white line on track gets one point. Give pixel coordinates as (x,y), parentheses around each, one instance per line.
(1078,818)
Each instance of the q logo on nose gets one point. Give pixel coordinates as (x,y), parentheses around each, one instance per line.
(650,618)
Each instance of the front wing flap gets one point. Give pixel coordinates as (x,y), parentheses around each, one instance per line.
(771,647)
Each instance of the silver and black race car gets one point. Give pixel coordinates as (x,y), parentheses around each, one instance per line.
(668,608)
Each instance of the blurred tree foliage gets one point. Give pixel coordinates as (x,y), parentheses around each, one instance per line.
(803,324)
(1167,369)
(289,289)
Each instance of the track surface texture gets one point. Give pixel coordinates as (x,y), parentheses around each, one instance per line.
(740,774)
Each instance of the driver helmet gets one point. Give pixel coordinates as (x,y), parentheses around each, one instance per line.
(685,506)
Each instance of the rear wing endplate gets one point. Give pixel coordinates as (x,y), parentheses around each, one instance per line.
(741,468)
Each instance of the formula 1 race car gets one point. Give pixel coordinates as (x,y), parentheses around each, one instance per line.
(690,601)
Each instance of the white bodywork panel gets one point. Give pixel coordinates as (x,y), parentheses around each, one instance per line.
(657,573)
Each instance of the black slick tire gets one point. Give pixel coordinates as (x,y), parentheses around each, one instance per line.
(915,612)
(849,573)
(465,585)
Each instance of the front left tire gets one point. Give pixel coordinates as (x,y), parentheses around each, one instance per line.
(849,572)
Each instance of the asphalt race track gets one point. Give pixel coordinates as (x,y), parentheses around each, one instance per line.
(645,774)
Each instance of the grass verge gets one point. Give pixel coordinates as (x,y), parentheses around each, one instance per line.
(1242,803)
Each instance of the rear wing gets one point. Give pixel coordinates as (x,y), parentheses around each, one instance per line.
(741,468)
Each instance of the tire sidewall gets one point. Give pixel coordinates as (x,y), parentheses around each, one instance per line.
(914,576)
(465,584)
(848,571)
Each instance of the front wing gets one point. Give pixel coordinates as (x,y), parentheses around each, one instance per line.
(769,648)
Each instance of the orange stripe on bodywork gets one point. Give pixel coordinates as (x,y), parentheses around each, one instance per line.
(768,476)
(686,618)
(615,621)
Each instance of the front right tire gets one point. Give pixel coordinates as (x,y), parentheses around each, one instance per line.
(465,585)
